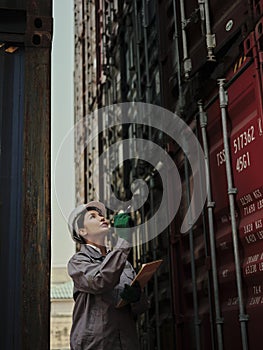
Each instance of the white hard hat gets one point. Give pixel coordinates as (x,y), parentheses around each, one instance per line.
(75,214)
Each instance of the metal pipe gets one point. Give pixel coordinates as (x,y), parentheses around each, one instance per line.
(243,318)
(207,255)
(156,299)
(177,58)
(110,58)
(143,258)
(209,287)
(156,294)
(148,100)
(147,97)
(210,38)
(148,83)
(186,59)
(137,44)
(145,35)
(210,206)
(193,274)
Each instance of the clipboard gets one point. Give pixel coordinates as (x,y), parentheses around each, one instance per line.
(144,275)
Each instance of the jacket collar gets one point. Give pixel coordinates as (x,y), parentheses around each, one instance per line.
(93,251)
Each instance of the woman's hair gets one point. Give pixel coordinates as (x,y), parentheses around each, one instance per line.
(80,220)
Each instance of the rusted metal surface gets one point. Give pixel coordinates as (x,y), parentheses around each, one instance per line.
(26,37)
(36,179)
(36,200)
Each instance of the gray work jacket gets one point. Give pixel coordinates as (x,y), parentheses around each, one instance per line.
(97,323)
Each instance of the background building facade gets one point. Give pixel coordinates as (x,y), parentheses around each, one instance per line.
(61,309)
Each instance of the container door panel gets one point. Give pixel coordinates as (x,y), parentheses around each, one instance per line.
(246,144)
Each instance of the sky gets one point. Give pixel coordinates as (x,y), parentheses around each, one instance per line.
(62,120)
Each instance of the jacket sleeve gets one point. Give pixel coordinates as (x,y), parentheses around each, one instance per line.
(98,277)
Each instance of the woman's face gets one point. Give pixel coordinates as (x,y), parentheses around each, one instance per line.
(95,226)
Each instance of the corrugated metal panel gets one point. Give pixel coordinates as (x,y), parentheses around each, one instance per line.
(36,200)
(246,137)
(25,174)
(197,319)
(11,136)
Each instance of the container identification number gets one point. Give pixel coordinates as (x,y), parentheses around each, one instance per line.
(220,157)
(244,139)
(239,143)
(243,162)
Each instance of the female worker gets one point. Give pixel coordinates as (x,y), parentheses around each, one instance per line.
(101,278)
